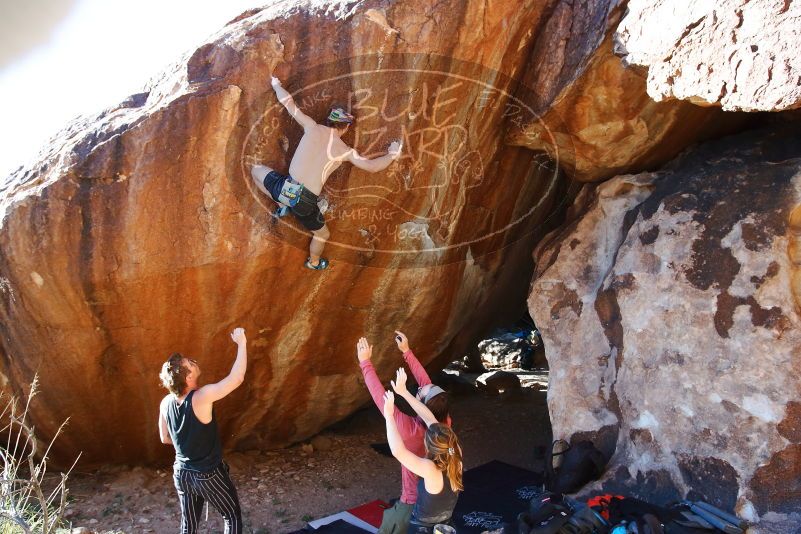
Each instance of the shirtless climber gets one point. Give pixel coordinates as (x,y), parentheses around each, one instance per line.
(319,153)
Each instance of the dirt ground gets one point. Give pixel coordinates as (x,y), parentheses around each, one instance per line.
(280,491)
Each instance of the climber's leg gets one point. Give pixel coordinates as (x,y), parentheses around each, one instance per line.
(259,172)
(308,213)
(269,181)
(319,238)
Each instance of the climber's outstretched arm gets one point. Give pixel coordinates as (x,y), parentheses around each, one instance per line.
(289,103)
(376,164)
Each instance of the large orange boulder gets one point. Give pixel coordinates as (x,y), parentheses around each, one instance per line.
(140,233)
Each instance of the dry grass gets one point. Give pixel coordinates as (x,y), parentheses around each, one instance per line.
(26,505)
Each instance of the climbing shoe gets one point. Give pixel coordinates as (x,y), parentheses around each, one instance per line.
(322,264)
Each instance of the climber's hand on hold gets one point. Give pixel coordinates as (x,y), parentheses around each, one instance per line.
(238,336)
(283,96)
(402,341)
(364,350)
(395,149)
(399,384)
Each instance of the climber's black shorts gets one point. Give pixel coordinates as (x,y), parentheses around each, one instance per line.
(306,210)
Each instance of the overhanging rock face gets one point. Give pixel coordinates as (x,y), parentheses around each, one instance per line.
(679,291)
(139,232)
(594,114)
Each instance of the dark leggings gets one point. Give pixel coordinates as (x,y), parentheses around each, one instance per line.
(216,487)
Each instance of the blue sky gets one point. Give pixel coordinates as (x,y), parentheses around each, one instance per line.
(64,58)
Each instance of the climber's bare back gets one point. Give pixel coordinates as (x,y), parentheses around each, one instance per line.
(319,153)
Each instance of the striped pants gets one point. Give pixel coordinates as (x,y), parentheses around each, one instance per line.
(216,487)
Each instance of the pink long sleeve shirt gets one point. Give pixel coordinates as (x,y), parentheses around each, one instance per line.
(411,429)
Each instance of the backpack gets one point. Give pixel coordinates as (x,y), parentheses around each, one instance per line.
(547,513)
(604,505)
(544,505)
(631,515)
(572,466)
(618,509)
(550,513)
(584,520)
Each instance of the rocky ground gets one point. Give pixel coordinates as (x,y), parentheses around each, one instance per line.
(282,490)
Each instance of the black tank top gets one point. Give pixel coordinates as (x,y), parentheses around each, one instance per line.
(432,509)
(197,445)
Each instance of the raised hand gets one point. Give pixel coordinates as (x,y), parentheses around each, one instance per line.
(238,336)
(395,149)
(364,350)
(401,340)
(389,403)
(399,384)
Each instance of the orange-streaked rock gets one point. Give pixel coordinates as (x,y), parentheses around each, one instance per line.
(139,232)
